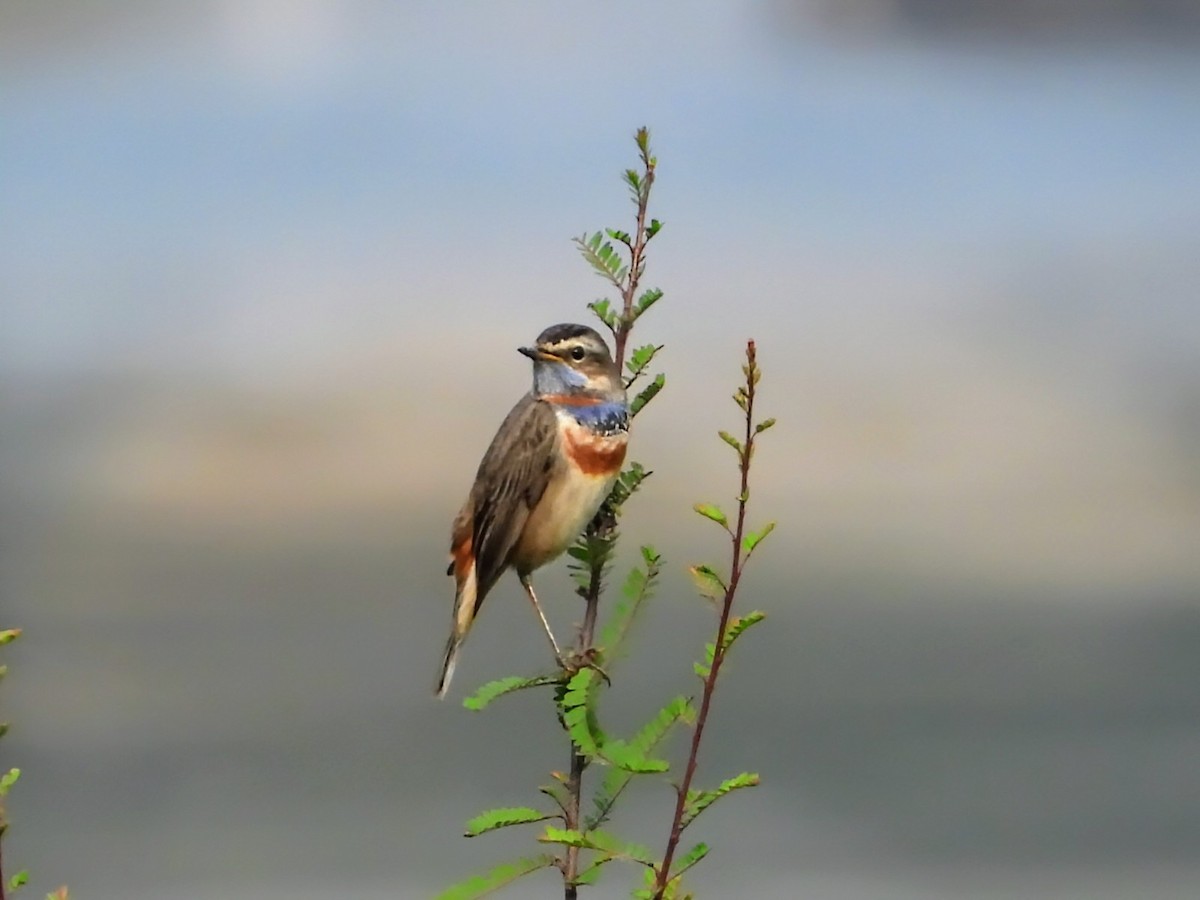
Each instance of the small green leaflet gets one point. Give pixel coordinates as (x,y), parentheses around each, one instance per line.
(708,582)
(648,393)
(698,801)
(592,872)
(648,299)
(600,841)
(498,877)
(739,624)
(628,757)
(603,312)
(502,818)
(690,858)
(637,590)
(640,358)
(712,512)
(602,257)
(8,779)
(754,538)
(678,710)
(577,713)
(733,631)
(501,686)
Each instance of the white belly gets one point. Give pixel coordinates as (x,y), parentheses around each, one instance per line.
(569,503)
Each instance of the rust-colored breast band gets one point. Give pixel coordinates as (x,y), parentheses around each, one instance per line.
(595,457)
(572,399)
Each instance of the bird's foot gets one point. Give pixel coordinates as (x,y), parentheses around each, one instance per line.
(574,660)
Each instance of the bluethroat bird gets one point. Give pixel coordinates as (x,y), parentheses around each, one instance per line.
(548,469)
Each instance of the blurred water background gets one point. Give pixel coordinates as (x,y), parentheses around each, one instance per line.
(264,268)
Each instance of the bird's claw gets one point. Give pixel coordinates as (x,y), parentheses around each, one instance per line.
(575,660)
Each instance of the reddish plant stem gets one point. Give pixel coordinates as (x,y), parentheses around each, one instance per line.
(710,683)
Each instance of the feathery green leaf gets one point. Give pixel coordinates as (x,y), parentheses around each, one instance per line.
(498,877)
(648,393)
(648,298)
(502,818)
(603,312)
(625,756)
(592,872)
(737,626)
(689,859)
(698,801)
(651,735)
(638,589)
(601,841)
(501,686)
(577,715)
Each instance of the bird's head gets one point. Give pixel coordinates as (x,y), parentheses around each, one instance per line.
(573,359)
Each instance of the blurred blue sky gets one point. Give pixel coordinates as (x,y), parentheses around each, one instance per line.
(264,269)
(225,166)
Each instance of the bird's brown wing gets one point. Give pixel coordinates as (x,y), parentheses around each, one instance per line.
(511,480)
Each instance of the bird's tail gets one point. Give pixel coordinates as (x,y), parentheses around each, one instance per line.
(465,604)
(449,661)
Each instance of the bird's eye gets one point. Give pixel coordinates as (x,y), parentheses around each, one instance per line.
(578,354)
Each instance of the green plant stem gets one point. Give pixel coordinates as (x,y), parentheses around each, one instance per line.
(587,630)
(710,683)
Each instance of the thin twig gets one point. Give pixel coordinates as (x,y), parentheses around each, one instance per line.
(710,682)
(587,629)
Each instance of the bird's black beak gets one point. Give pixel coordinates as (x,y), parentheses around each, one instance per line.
(535,354)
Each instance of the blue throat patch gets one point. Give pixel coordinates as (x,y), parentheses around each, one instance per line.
(556,378)
(603,419)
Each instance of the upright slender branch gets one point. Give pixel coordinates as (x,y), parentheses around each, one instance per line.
(738,556)
(596,532)
(637,262)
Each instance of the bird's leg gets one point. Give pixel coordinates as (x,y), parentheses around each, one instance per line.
(525,583)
